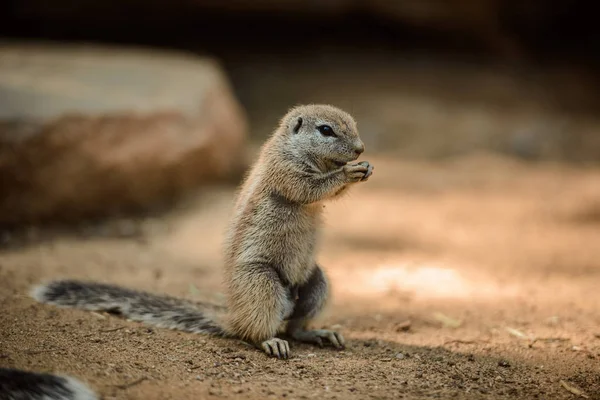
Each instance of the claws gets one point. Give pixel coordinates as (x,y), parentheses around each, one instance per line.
(358,172)
(276,348)
(333,338)
(318,336)
(369,172)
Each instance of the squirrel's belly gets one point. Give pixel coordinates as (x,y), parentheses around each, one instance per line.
(283,237)
(297,270)
(291,252)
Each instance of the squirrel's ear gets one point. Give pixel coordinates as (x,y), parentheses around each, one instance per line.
(298,125)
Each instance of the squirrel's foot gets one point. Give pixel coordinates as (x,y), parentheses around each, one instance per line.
(317,337)
(358,172)
(276,348)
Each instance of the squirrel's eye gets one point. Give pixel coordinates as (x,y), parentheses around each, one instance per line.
(326,130)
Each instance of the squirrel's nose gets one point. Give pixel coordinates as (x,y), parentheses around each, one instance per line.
(359,148)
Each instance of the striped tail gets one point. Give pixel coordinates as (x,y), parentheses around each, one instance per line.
(152,309)
(23,385)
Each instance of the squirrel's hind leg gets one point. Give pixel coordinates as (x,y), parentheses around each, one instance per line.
(257,307)
(312,297)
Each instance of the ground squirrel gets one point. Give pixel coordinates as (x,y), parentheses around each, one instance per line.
(271,276)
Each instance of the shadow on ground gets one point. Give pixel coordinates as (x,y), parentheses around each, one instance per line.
(482,288)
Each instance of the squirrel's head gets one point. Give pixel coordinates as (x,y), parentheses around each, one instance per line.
(323,133)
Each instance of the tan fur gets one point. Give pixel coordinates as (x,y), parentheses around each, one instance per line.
(278,214)
(271,275)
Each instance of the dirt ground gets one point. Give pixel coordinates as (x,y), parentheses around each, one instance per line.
(473,278)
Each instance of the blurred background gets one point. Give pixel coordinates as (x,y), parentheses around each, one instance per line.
(125,127)
(426,79)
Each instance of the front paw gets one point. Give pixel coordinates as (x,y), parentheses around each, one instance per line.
(358,172)
(370,169)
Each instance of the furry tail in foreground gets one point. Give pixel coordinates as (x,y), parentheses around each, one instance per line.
(23,385)
(158,310)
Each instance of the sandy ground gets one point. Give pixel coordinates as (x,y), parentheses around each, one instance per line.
(473,278)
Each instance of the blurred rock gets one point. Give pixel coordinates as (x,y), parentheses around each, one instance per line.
(91,132)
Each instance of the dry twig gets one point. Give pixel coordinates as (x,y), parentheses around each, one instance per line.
(447,322)
(458,341)
(128,385)
(517,333)
(112,330)
(573,390)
